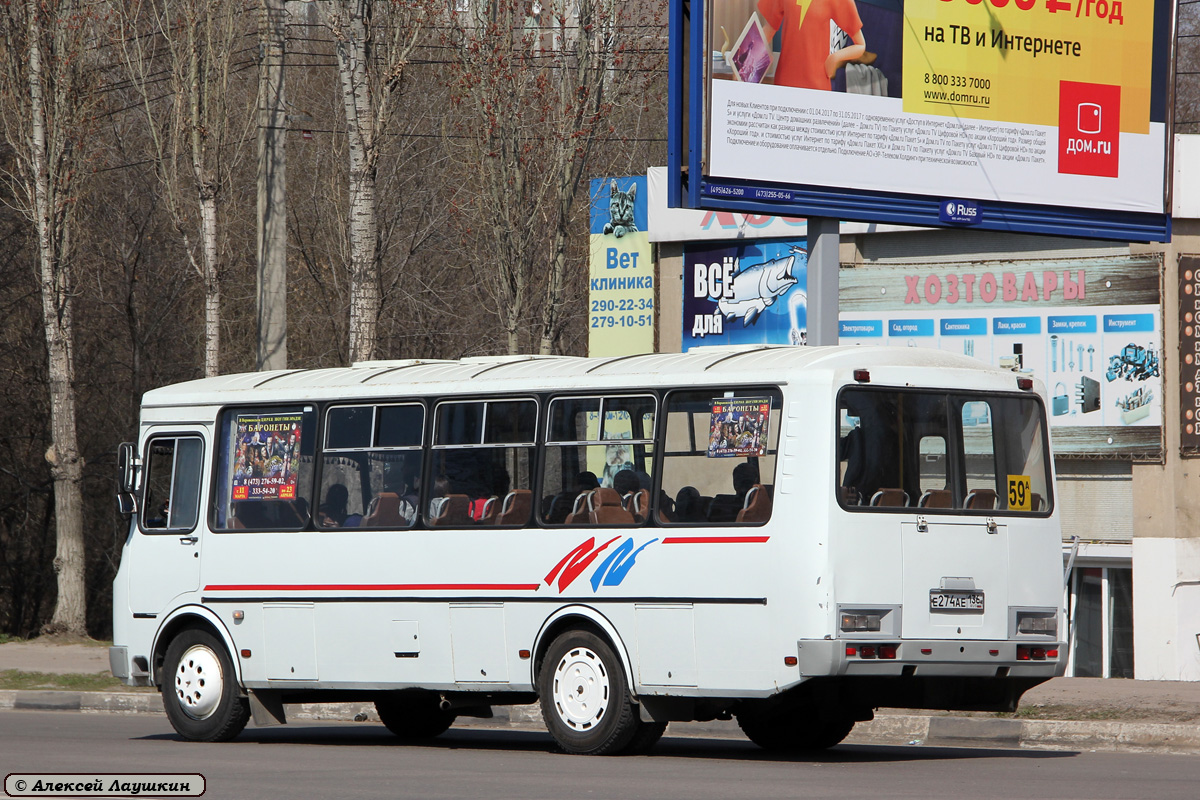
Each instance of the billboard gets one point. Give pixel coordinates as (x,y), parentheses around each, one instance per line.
(745,293)
(621,274)
(1042,116)
(1090,330)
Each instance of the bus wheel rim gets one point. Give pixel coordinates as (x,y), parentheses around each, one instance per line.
(581,689)
(198,682)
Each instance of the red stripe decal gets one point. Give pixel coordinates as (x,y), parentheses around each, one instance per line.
(715,539)
(372,587)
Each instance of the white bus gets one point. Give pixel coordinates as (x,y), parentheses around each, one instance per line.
(789,536)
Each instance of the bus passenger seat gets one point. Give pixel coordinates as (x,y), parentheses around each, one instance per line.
(639,505)
(491,507)
(1037,502)
(385,512)
(604,508)
(455,511)
(579,512)
(981,499)
(758,505)
(517,505)
(936,498)
(890,497)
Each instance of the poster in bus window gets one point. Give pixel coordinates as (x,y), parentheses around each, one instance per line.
(266,456)
(738,427)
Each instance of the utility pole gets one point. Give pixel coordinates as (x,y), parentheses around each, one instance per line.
(272,190)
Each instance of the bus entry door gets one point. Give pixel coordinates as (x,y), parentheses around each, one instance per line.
(955,580)
(165,549)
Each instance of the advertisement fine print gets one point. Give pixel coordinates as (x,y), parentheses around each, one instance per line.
(267,456)
(1051,102)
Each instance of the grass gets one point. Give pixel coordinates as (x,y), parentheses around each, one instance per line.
(15,679)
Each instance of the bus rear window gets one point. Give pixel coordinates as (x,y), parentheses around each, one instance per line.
(941,451)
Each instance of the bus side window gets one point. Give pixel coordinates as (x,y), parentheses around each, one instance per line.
(717,447)
(370,466)
(483,457)
(265,466)
(172,491)
(598,444)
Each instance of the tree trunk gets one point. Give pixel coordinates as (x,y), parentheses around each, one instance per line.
(66,467)
(206,191)
(212,286)
(352,54)
(552,310)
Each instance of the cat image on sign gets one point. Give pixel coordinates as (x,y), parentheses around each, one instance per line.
(620,211)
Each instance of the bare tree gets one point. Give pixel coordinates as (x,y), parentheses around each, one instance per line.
(49,96)
(373,40)
(537,85)
(196,132)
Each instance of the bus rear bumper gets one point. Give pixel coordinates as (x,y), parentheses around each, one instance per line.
(931,658)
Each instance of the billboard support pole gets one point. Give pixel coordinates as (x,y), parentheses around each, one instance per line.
(823,245)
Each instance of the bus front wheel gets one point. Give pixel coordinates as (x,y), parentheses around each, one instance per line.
(414,714)
(199,689)
(586,702)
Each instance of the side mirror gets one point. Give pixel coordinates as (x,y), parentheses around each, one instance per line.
(127,469)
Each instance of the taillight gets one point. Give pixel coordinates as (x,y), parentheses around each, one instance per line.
(873,650)
(1035,653)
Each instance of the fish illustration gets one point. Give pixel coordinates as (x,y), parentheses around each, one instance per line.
(756,287)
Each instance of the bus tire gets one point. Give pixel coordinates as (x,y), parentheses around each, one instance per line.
(646,736)
(585,697)
(790,733)
(199,689)
(414,714)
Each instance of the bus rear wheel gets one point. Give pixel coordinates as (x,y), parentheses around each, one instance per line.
(795,732)
(414,714)
(586,702)
(199,689)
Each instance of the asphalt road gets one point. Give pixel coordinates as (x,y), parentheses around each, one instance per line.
(362,760)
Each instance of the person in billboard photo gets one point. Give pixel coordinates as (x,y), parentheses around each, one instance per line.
(805,60)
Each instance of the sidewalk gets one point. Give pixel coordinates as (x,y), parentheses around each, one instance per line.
(1064,713)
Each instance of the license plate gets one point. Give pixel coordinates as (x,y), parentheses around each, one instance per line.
(941,600)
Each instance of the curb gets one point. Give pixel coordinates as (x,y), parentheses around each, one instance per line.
(885,729)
